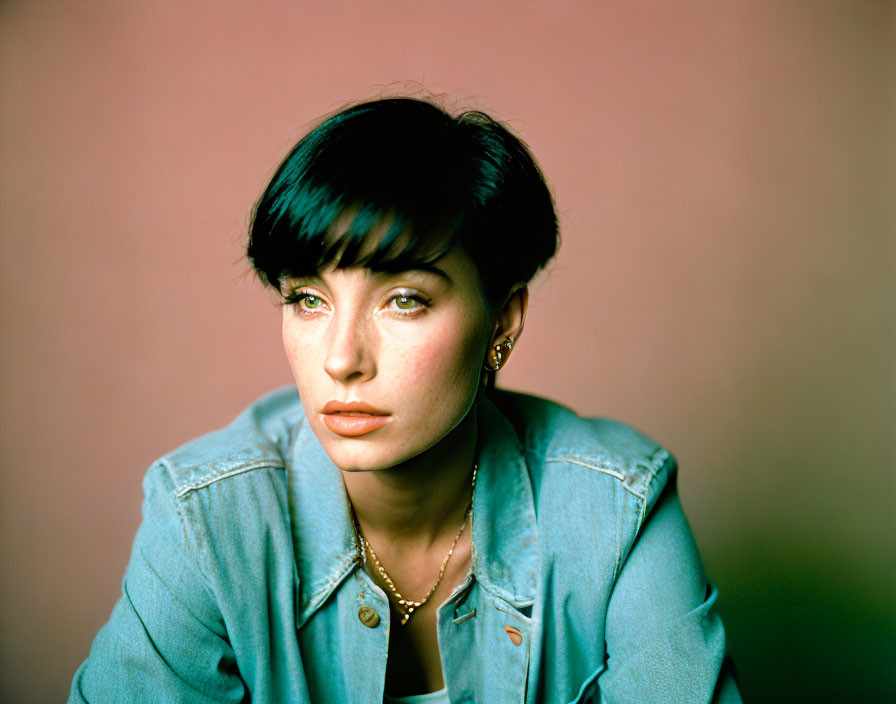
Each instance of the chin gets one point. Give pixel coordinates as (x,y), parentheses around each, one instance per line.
(369,454)
(357,454)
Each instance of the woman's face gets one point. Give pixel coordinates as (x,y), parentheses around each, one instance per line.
(386,364)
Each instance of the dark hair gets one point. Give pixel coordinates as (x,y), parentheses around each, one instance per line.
(432,180)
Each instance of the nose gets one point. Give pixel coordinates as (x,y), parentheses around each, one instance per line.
(349,349)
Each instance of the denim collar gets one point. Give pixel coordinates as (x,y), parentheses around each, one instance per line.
(505,534)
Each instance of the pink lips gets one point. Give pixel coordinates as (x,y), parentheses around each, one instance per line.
(353,418)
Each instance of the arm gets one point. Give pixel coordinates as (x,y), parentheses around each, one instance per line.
(665,642)
(165,640)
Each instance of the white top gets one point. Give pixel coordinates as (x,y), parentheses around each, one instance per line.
(440,697)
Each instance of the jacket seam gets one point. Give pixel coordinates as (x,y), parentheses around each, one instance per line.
(207,481)
(603,470)
(620,525)
(190,541)
(653,469)
(620,477)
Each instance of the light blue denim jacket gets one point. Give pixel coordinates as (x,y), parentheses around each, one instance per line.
(244,580)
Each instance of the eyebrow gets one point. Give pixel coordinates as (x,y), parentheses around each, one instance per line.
(422,267)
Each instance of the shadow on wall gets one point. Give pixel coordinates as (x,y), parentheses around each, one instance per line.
(806,626)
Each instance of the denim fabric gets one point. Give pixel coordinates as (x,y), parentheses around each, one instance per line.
(244,581)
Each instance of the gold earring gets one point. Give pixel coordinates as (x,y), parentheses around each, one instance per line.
(499,354)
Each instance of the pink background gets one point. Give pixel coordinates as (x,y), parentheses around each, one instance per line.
(724,174)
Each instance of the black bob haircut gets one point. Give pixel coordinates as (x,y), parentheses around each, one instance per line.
(426,181)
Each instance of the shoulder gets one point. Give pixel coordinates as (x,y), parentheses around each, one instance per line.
(258,438)
(553,434)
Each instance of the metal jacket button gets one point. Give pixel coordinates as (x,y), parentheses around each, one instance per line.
(515,636)
(368,616)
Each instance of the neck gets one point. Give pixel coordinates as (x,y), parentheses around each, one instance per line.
(420,500)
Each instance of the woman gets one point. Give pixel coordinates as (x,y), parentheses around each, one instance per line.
(394,528)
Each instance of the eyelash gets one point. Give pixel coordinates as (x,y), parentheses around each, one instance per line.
(295,299)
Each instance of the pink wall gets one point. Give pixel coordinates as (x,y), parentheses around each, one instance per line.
(724,174)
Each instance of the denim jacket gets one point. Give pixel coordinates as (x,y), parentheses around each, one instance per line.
(245,582)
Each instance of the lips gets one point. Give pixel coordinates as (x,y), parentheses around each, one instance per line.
(353,418)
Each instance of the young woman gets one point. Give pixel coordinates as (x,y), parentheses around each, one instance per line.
(393,528)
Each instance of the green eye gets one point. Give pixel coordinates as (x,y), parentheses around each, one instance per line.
(305,301)
(407,303)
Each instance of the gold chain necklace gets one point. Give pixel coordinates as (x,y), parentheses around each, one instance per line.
(406,606)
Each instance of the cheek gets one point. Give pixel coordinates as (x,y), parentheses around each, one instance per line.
(445,367)
(301,354)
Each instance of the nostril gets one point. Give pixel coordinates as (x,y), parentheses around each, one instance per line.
(347,358)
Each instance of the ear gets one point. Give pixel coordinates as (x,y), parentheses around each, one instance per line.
(512,316)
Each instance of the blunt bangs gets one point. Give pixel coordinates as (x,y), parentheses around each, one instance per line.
(347,235)
(391,184)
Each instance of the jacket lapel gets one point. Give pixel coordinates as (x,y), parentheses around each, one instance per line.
(322,531)
(505,533)
(493,619)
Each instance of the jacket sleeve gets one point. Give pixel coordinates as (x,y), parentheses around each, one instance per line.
(665,642)
(165,640)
